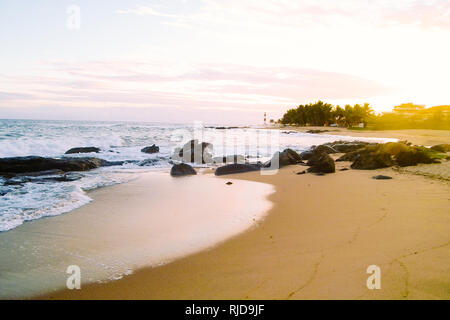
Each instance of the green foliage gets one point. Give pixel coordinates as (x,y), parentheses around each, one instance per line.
(404,116)
(321,114)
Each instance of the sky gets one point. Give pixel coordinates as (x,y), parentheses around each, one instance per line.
(218,61)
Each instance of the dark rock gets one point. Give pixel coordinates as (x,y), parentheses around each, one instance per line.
(147,162)
(152,149)
(193,151)
(344,169)
(320,174)
(381,177)
(344,148)
(17,165)
(413,157)
(371,161)
(284,158)
(236,168)
(224,128)
(182,169)
(441,147)
(301,172)
(42,173)
(323,149)
(322,163)
(83,150)
(350,156)
(305,155)
(19,180)
(316,131)
(388,154)
(229,183)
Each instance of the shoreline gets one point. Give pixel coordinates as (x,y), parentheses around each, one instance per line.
(149,221)
(307,248)
(425,137)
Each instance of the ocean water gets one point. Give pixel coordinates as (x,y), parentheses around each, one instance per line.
(118,141)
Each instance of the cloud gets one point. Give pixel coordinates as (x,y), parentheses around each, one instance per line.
(8,96)
(300,13)
(197,87)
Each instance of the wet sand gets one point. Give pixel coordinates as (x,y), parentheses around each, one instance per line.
(316,242)
(146,222)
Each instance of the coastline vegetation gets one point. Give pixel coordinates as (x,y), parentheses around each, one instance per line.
(404,116)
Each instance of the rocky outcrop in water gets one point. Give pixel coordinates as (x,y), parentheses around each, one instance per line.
(83,150)
(152,149)
(182,169)
(18,165)
(42,178)
(315,131)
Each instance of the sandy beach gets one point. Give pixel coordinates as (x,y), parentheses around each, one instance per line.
(316,242)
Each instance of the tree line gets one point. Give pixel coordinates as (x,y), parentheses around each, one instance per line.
(404,116)
(324,114)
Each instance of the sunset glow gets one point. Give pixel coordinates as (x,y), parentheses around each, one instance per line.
(147,60)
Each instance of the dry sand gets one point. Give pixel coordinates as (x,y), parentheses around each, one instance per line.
(316,243)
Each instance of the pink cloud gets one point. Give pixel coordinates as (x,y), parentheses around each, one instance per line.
(211,86)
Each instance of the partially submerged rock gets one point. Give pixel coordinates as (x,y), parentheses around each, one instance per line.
(316,131)
(236,168)
(152,149)
(182,169)
(147,162)
(21,179)
(16,165)
(83,150)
